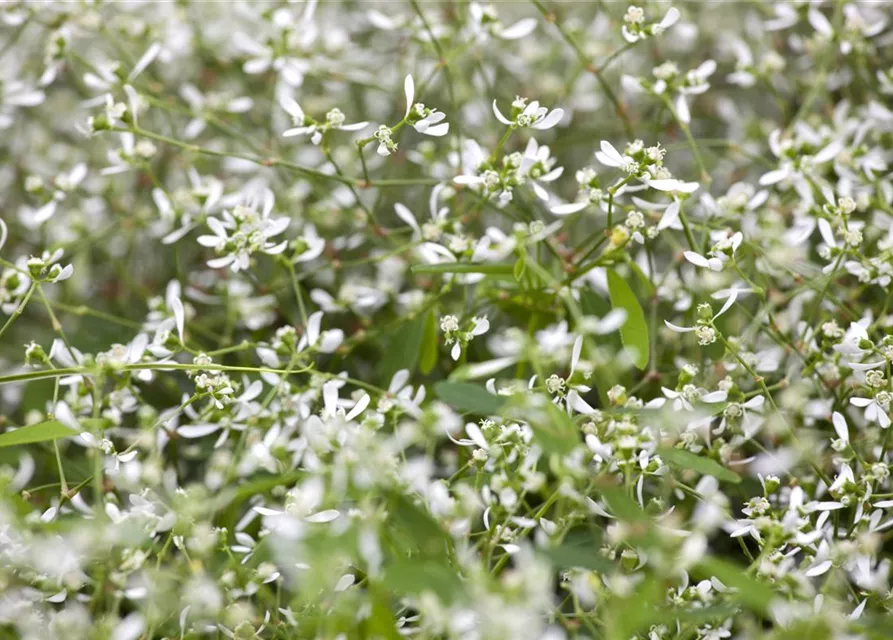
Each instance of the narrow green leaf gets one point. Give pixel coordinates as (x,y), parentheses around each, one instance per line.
(749,592)
(414,529)
(579,550)
(380,622)
(464,267)
(634,613)
(622,506)
(413,576)
(705,466)
(646,282)
(50,430)
(519,269)
(428,357)
(466,396)
(634,331)
(552,428)
(404,346)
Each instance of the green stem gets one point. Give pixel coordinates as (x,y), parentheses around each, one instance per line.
(19,309)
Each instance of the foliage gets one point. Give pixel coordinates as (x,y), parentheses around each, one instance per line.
(439,319)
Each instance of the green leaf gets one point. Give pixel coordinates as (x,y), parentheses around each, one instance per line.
(633,614)
(413,529)
(404,347)
(579,550)
(519,269)
(634,331)
(466,396)
(49,430)
(428,356)
(705,466)
(464,267)
(552,428)
(622,506)
(413,576)
(749,592)
(646,282)
(380,623)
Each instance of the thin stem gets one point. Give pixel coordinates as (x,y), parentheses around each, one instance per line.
(696,152)
(19,309)
(590,67)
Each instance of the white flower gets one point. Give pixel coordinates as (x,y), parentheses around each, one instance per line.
(538,166)
(423,119)
(530,115)
(719,255)
(201,104)
(304,125)
(262,58)
(13,95)
(243,231)
(876,409)
(430,230)
(610,157)
(485,22)
(634,28)
(733,296)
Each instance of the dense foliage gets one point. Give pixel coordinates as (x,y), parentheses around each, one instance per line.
(447,320)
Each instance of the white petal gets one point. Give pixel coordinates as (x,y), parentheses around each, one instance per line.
(575,357)
(597,509)
(819,569)
(670,215)
(518,30)
(330,395)
(579,404)
(398,381)
(130,628)
(567,209)
(840,426)
(773,177)
(313,323)
(499,115)
(438,130)
(827,233)
(829,152)
(820,23)
(344,582)
(409,92)
(406,215)
(550,120)
(666,185)
(358,408)
(670,19)
(677,328)
(474,432)
(197,431)
(614,157)
(323,516)
(696,259)
(179,316)
(729,302)
(682,109)
(146,59)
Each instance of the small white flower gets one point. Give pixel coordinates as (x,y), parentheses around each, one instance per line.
(532,115)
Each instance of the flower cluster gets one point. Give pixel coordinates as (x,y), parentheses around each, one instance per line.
(398,319)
